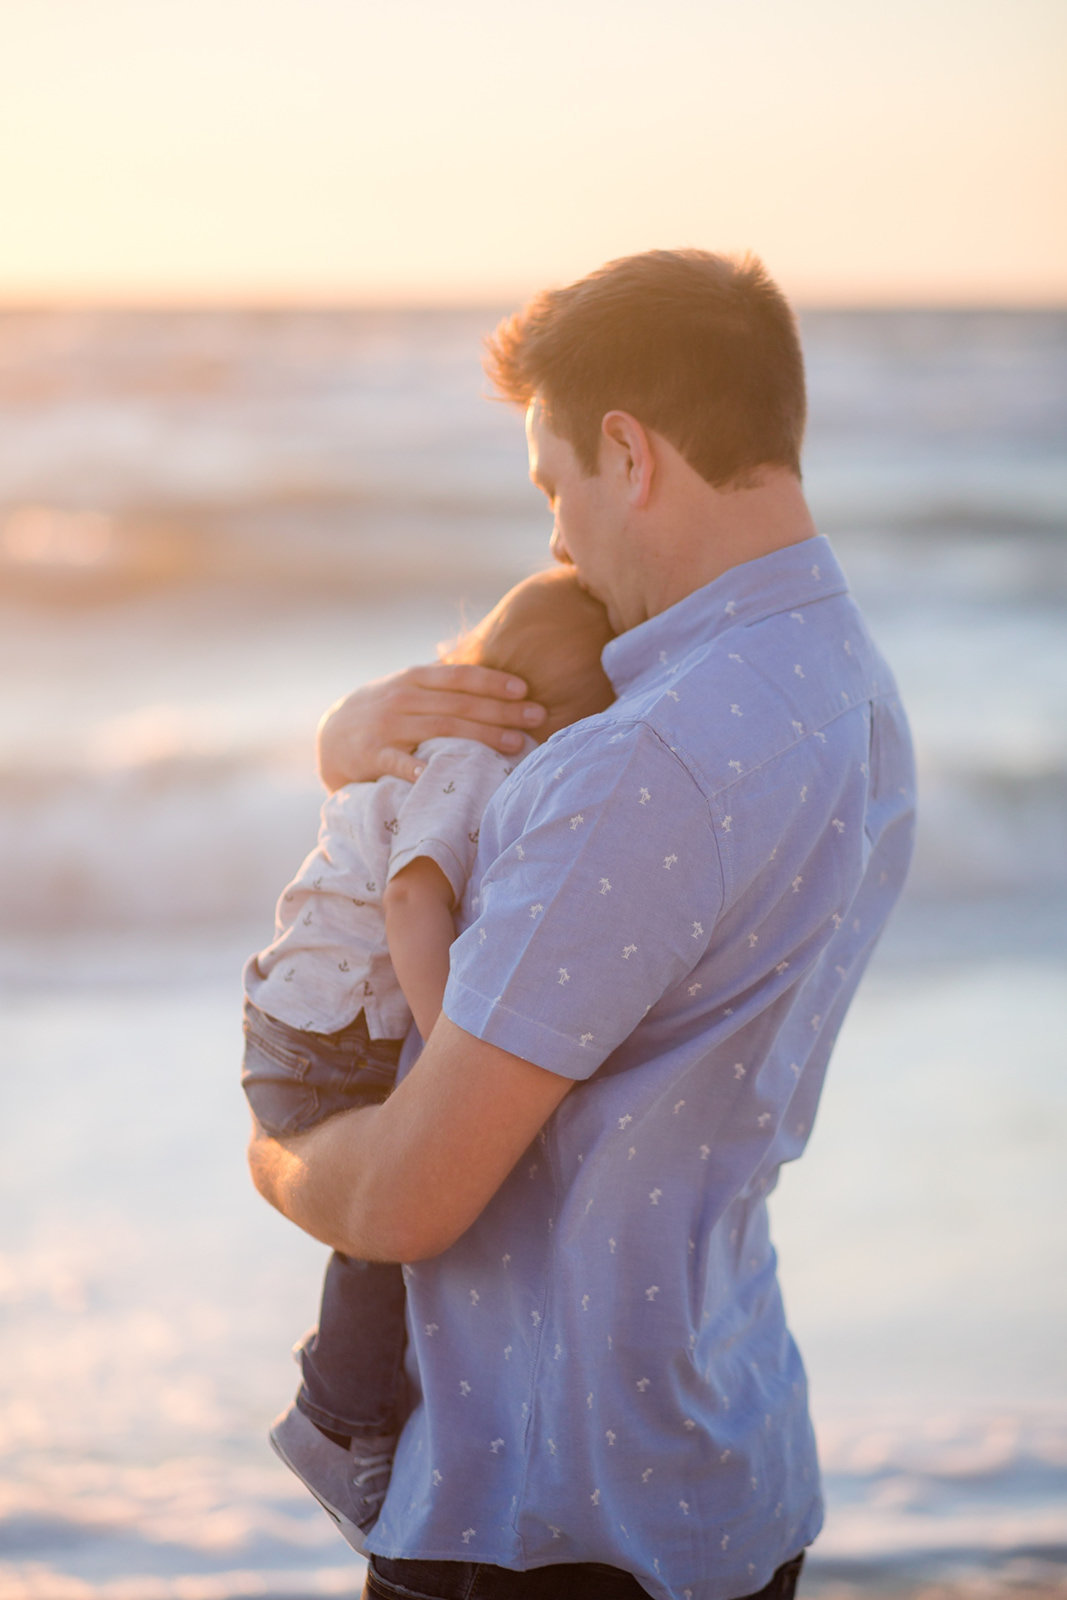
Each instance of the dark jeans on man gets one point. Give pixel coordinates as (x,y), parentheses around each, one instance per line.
(586,1580)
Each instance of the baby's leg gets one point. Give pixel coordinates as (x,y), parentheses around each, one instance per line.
(274,1072)
(339,1435)
(294,1078)
(353,1362)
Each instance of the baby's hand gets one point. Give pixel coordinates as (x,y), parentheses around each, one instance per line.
(372,732)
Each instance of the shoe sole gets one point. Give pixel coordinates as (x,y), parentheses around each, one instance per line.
(350,1531)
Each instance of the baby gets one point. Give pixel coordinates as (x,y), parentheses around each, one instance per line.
(361,944)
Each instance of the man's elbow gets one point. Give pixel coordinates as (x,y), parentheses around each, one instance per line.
(366,1224)
(423,1243)
(262,1165)
(398,1236)
(374,1209)
(253,1162)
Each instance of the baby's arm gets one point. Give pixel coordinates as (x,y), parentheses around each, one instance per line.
(419,929)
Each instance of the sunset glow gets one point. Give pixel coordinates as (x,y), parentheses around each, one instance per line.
(353,150)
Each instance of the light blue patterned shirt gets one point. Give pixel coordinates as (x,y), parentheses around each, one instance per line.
(673,902)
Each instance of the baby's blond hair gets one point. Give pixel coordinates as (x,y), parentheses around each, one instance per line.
(549,631)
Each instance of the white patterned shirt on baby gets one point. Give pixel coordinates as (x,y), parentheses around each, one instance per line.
(329,958)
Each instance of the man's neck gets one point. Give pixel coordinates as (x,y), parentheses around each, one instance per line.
(698,532)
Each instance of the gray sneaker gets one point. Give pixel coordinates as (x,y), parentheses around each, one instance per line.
(349,1484)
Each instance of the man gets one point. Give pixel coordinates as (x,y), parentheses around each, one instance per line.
(672,906)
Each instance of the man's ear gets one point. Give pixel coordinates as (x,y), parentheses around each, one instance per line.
(626,447)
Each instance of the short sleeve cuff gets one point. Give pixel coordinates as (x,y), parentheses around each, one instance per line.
(440,853)
(567,1055)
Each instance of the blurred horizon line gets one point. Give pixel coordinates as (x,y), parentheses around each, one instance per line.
(283,305)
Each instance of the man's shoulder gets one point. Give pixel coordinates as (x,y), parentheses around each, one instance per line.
(671,729)
(749,696)
(611,739)
(603,765)
(673,735)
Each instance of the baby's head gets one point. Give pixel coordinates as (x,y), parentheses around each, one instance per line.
(549,631)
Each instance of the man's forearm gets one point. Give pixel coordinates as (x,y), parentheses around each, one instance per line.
(403,1180)
(318,1180)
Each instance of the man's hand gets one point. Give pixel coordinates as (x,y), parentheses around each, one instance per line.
(372,732)
(403,1180)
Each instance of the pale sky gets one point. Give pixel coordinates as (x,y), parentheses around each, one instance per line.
(466,150)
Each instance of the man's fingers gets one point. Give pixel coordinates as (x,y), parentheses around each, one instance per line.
(429,713)
(469,679)
(371,731)
(393,763)
(433,725)
(428,693)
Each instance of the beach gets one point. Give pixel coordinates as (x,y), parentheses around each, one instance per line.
(211,526)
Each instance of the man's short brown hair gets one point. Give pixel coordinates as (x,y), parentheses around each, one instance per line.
(701,348)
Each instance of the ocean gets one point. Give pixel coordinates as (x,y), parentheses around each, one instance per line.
(212,524)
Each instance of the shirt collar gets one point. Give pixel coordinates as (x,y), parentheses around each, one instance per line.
(787,579)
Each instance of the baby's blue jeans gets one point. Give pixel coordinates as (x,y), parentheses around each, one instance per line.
(352,1363)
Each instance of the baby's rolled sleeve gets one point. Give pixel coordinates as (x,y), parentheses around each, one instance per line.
(602,896)
(441,814)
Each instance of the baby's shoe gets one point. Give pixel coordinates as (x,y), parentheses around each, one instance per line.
(348,1483)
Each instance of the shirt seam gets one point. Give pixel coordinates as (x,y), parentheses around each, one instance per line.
(496,1005)
(708,799)
(535,1364)
(870,698)
(642,721)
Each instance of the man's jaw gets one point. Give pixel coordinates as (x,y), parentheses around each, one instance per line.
(583,583)
(566,560)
